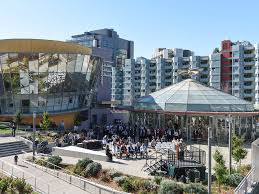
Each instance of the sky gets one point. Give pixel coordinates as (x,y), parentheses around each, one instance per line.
(198,25)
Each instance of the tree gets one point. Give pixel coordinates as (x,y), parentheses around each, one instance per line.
(46,122)
(238,150)
(220,168)
(216,50)
(17,119)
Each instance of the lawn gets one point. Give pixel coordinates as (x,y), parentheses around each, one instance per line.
(4,130)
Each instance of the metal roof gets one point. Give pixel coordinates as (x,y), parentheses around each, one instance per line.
(191,96)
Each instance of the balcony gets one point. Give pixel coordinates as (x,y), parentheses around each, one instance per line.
(249,87)
(248,94)
(249,79)
(204,65)
(251,55)
(249,71)
(204,79)
(249,62)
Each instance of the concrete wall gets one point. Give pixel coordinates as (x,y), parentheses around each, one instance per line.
(68,119)
(79,153)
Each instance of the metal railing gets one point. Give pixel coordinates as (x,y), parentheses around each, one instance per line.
(37,184)
(246,183)
(74,179)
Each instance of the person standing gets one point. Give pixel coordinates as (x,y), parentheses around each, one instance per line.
(15,159)
(13,130)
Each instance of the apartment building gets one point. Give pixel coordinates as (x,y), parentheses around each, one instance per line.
(234,69)
(114,86)
(163,69)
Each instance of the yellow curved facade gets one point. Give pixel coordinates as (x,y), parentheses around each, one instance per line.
(41,46)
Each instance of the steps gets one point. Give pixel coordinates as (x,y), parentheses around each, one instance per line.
(155,167)
(12,148)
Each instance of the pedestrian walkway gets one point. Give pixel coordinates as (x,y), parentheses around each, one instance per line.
(44,181)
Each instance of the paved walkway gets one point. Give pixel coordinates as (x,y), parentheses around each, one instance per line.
(7,139)
(127,166)
(225,152)
(43,179)
(134,166)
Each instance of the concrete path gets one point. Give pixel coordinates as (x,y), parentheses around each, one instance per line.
(7,139)
(132,167)
(44,181)
(225,152)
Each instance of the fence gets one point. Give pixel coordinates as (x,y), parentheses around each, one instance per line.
(38,185)
(74,179)
(246,184)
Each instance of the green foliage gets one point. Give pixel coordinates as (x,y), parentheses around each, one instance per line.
(17,186)
(21,186)
(92,169)
(113,173)
(233,180)
(41,162)
(81,165)
(192,174)
(128,186)
(219,168)
(17,119)
(170,187)
(4,184)
(244,169)
(195,188)
(158,179)
(238,151)
(55,160)
(119,180)
(46,122)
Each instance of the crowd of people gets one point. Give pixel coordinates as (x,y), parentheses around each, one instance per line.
(121,146)
(124,140)
(143,132)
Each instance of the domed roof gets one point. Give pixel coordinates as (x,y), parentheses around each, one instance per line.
(192,96)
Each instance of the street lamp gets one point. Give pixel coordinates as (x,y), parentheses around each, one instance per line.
(34,131)
(209,161)
(230,142)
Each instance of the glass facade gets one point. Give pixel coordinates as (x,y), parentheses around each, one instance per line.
(52,82)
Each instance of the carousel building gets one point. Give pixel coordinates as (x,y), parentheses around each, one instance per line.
(195,107)
(46,76)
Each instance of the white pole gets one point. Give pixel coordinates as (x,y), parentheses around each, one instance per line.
(230,142)
(34,131)
(209,160)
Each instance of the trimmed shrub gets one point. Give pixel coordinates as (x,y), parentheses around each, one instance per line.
(170,187)
(119,180)
(233,180)
(81,165)
(56,160)
(92,169)
(195,188)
